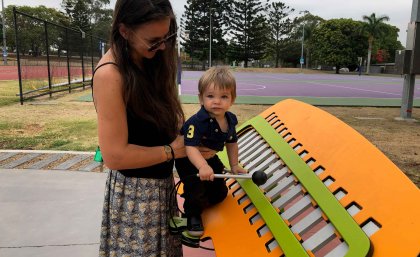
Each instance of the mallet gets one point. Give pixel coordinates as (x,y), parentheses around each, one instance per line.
(258,177)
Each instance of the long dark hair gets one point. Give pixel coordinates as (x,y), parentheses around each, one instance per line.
(149,91)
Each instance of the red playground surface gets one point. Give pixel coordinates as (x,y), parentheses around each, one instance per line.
(40,72)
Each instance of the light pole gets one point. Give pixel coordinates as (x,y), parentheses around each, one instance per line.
(210,39)
(410,78)
(179,66)
(301,53)
(4,33)
(303,39)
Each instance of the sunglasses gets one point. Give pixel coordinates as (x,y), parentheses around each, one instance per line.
(155,46)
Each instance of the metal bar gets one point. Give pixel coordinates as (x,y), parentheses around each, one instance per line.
(81,55)
(320,238)
(91,51)
(68,57)
(18,55)
(308,222)
(52,23)
(53,91)
(4,33)
(297,208)
(48,57)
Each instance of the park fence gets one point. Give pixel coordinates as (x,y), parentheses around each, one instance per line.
(53,58)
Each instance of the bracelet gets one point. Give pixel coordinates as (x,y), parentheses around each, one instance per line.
(172,152)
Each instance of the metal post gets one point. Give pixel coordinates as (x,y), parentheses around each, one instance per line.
(91,52)
(303,39)
(301,54)
(68,58)
(4,34)
(407,96)
(18,56)
(210,40)
(179,65)
(82,36)
(409,79)
(47,47)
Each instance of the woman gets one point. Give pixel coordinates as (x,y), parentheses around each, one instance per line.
(139,117)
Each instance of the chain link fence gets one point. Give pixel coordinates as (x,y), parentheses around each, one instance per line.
(53,58)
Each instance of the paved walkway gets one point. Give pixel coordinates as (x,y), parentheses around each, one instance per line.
(50,213)
(48,160)
(53,210)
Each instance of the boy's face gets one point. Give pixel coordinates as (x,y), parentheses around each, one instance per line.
(216,101)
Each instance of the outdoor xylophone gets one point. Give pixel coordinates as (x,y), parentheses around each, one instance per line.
(329,192)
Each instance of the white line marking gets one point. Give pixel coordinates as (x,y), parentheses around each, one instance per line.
(259,87)
(357,89)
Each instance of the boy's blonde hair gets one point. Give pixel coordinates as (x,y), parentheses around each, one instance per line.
(221,77)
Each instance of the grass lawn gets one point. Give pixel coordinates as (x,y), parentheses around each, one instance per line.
(8,91)
(65,123)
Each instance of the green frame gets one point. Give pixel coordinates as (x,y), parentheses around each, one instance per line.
(353,235)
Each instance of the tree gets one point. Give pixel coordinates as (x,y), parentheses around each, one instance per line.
(373,26)
(84,13)
(279,26)
(249,31)
(31,31)
(388,42)
(338,42)
(102,24)
(309,23)
(196,25)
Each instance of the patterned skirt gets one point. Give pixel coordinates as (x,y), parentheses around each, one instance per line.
(135,217)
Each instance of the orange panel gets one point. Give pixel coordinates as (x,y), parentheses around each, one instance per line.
(372,181)
(231,232)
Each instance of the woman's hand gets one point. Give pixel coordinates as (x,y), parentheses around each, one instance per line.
(178,147)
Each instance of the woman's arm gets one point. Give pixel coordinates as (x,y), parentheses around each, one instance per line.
(112,126)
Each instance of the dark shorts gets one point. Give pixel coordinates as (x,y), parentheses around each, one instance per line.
(200,194)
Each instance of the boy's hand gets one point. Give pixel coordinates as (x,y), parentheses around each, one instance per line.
(238,169)
(206,173)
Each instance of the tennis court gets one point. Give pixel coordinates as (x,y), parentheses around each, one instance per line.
(323,89)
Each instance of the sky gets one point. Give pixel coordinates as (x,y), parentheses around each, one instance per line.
(399,11)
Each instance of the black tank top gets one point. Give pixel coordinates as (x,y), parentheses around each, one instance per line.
(144,133)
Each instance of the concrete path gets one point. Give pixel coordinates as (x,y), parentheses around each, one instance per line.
(50,213)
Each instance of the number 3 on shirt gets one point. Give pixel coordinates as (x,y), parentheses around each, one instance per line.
(190,133)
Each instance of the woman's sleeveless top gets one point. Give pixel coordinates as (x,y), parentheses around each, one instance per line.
(144,133)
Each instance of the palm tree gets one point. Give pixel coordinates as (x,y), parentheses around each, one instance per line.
(374,29)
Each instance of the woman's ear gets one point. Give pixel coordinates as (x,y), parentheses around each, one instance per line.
(123,31)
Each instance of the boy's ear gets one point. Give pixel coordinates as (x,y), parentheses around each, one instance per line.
(200,98)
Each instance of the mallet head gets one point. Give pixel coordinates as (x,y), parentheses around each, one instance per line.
(259,177)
